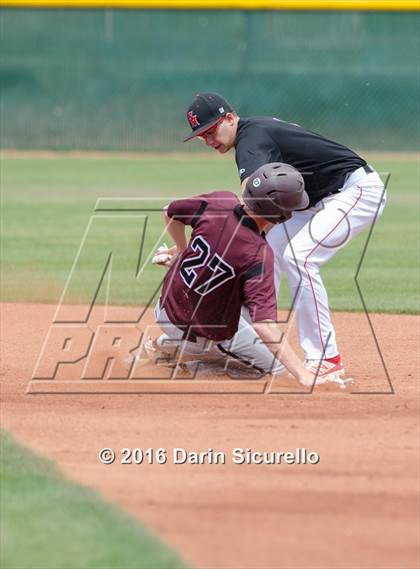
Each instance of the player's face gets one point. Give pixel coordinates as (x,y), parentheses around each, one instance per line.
(220,136)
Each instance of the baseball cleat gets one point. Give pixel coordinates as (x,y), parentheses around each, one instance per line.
(329,370)
(328,367)
(157,351)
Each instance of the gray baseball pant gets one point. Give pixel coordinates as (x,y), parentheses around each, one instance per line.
(245,346)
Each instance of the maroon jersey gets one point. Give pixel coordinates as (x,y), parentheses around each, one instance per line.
(227,263)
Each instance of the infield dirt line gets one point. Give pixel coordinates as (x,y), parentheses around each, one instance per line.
(181,156)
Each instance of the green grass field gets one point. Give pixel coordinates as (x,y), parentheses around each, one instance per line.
(40,507)
(48,203)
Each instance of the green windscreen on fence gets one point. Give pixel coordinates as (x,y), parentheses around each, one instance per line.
(121,79)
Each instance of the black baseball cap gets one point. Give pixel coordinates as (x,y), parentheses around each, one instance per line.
(205,111)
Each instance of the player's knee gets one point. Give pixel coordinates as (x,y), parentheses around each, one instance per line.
(298,266)
(290,261)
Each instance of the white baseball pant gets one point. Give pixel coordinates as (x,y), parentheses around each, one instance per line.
(310,238)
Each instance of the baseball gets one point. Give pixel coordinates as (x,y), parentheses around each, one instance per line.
(161,259)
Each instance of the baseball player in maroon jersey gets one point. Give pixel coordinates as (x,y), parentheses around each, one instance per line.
(345,194)
(218,296)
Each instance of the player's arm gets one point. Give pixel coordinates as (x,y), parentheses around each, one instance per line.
(260,298)
(176,230)
(177,215)
(271,335)
(253,151)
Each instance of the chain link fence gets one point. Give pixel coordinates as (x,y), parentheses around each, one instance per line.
(122,79)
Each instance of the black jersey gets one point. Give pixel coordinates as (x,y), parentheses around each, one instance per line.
(323,163)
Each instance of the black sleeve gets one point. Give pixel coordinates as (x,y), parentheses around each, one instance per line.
(254,149)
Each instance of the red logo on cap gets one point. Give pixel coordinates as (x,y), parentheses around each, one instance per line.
(192,118)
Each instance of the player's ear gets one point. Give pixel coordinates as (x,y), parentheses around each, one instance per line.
(230,118)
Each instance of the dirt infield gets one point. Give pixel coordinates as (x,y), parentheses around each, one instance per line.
(356,508)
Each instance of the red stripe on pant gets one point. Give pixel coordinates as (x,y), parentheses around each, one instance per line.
(310,253)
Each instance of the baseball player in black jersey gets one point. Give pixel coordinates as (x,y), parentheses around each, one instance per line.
(345,196)
(218,297)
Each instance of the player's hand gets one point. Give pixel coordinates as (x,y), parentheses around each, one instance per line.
(165,255)
(309,379)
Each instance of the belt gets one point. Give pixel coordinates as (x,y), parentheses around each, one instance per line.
(357,175)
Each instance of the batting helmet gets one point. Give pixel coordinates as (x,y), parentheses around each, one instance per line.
(275,190)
